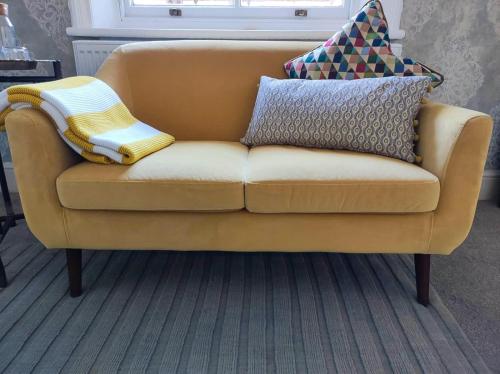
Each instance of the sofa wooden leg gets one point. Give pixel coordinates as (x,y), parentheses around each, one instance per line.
(74,264)
(423,273)
(3,277)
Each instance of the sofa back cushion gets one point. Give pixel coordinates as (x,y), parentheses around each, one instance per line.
(196,90)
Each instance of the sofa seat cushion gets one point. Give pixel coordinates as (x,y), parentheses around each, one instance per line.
(287,179)
(187,176)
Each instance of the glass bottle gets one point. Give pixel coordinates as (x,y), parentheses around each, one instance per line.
(9,48)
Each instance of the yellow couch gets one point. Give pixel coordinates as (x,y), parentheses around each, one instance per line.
(209,192)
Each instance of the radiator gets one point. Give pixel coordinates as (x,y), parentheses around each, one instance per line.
(90,54)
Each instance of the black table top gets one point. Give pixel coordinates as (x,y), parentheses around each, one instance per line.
(21,64)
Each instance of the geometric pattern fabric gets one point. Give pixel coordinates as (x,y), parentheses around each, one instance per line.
(362,49)
(364,115)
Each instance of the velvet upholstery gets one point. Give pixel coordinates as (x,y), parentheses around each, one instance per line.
(214,102)
(286,179)
(220,176)
(188,175)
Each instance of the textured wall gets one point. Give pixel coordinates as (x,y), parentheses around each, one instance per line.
(41,26)
(460,38)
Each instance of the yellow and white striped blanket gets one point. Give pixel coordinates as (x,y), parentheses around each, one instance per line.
(90,117)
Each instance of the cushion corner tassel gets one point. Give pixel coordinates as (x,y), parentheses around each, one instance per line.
(90,118)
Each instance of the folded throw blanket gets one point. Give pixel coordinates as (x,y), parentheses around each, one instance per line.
(90,117)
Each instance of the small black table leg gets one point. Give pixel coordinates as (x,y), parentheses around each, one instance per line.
(3,277)
(6,221)
(57,69)
(5,193)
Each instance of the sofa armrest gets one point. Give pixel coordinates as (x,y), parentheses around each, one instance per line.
(39,156)
(454,144)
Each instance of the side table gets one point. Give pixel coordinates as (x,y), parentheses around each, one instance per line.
(9,219)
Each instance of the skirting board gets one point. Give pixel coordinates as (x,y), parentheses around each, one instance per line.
(490,190)
(9,174)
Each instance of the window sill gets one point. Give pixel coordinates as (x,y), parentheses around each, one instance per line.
(144,33)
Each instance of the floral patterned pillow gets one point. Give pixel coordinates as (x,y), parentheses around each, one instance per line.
(362,49)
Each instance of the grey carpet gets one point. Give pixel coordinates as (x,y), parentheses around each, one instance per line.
(468,282)
(223,313)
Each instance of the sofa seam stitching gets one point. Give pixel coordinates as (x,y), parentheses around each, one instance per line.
(452,149)
(129,86)
(147,182)
(29,118)
(431,231)
(65,223)
(444,172)
(360,183)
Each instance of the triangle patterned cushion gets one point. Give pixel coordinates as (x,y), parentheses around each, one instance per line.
(362,49)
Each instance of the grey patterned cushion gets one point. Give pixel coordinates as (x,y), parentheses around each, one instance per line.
(367,115)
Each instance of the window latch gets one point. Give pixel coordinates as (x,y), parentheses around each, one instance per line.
(300,12)
(175,12)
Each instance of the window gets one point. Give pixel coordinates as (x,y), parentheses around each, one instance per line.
(249,3)
(314,20)
(241,14)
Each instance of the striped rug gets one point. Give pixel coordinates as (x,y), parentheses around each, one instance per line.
(171,312)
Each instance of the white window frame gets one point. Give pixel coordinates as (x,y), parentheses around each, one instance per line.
(113,18)
(236,18)
(239,17)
